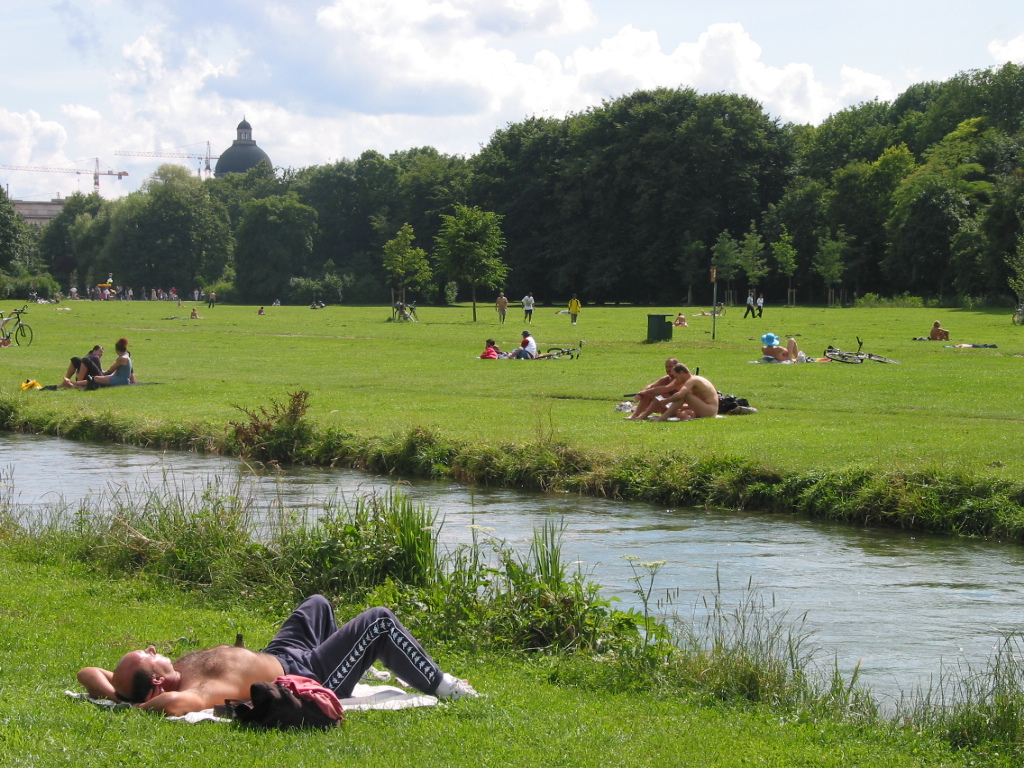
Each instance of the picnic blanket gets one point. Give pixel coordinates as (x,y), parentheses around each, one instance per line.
(364,697)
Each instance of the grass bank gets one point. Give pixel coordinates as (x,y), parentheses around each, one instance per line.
(932,443)
(609,689)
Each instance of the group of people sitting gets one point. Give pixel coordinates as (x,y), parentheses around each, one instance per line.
(527,350)
(677,396)
(87,372)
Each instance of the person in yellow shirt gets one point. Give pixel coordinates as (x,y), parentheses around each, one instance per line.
(574,308)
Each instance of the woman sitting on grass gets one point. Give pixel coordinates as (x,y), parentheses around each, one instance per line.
(120,372)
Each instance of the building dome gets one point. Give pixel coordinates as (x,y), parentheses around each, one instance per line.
(242,155)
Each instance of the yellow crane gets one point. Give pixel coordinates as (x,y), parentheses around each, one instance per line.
(206,156)
(96,172)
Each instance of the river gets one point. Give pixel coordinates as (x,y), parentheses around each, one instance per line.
(902,604)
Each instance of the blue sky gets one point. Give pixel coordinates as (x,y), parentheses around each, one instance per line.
(321,80)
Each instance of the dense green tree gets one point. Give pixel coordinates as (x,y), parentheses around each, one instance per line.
(58,247)
(828,260)
(11,232)
(468,249)
(785,258)
(752,257)
(406,265)
(259,182)
(273,244)
(171,233)
(858,133)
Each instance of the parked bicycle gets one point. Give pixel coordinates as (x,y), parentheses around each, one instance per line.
(1018,315)
(834,353)
(13,329)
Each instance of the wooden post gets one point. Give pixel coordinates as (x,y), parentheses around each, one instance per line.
(791,297)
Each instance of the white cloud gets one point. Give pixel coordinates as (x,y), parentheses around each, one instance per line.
(326,82)
(1003,51)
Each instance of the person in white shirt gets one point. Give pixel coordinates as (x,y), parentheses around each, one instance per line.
(527,348)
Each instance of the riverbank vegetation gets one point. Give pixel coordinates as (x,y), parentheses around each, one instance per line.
(930,444)
(566,673)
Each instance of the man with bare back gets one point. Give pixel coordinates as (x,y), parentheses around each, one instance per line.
(696,398)
(309,644)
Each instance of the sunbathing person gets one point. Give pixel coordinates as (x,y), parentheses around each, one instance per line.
(680,321)
(120,372)
(647,396)
(937,333)
(309,644)
(773,353)
(491,351)
(697,397)
(82,367)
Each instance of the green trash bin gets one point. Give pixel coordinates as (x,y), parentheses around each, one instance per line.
(659,328)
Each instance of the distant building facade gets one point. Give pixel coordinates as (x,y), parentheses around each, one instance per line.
(242,155)
(39,212)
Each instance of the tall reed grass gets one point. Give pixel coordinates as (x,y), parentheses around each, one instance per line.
(384,548)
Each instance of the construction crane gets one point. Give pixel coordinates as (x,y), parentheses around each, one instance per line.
(96,172)
(207,157)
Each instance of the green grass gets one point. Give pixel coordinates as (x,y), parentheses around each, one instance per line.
(57,619)
(955,408)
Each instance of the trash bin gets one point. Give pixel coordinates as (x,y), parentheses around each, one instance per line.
(659,328)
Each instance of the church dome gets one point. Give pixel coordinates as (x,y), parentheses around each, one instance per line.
(242,155)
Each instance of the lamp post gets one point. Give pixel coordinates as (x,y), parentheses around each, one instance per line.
(714,302)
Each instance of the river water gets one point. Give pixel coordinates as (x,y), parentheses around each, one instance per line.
(902,604)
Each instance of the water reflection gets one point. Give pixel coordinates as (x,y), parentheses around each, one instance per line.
(900,603)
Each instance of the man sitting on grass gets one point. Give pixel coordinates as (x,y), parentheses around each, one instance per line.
(309,644)
(664,386)
(695,398)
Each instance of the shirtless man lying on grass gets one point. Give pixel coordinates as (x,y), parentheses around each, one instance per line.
(309,644)
(695,398)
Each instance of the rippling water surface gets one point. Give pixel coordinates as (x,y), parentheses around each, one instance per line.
(902,604)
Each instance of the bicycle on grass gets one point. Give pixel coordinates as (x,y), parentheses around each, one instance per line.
(13,329)
(833,353)
(555,353)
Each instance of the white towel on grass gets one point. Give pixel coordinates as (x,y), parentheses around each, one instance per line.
(364,697)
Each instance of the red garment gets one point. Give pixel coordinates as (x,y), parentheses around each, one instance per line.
(310,690)
(490,354)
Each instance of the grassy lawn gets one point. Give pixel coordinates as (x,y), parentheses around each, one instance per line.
(959,408)
(57,619)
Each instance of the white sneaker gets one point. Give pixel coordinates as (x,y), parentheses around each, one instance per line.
(452,688)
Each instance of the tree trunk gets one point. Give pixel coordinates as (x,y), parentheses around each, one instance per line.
(473,293)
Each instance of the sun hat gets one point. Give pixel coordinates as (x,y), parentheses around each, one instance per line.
(526,333)
(769,339)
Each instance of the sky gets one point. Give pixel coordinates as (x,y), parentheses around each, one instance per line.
(322,80)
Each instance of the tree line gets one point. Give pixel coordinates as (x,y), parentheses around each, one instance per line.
(629,201)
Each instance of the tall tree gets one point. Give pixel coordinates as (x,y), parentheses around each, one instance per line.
(785,258)
(172,233)
(752,257)
(406,265)
(273,244)
(468,248)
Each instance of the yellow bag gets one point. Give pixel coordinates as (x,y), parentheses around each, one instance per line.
(31,384)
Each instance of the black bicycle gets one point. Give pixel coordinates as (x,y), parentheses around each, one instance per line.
(834,353)
(18,332)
